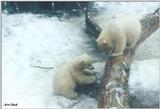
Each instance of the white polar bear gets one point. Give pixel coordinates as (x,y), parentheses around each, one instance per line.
(73,73)
(119,33)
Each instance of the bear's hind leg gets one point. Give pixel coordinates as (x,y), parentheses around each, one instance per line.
(70,93)
(67,89)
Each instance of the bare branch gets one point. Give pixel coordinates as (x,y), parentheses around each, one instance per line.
(42,67)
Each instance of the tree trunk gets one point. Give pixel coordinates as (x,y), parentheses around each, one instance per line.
(114,82)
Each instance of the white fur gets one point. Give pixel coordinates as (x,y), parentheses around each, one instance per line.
(119,33)
(72,74)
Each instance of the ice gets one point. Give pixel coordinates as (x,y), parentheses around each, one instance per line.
(30,40)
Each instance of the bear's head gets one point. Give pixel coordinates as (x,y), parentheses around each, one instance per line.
(83,61)
(104,45)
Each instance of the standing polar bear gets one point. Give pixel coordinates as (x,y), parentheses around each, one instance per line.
(119,33)
(79,71)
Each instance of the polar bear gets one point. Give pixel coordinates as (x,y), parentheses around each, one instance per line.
(78,71)
(119,33)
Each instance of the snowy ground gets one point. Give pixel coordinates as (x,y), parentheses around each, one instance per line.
(30,40)
(144,82)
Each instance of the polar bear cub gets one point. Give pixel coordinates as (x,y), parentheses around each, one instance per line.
(71,74)
(119,33)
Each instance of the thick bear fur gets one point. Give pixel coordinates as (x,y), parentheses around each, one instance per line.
(71,74)
(119,33)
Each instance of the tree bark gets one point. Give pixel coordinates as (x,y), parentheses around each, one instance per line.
(114,82)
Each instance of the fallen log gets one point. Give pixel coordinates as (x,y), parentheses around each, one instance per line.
(114,82)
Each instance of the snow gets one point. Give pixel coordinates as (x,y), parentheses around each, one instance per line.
(112,9)
(144,82)
(148,50)
(30,40)
(138,76)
